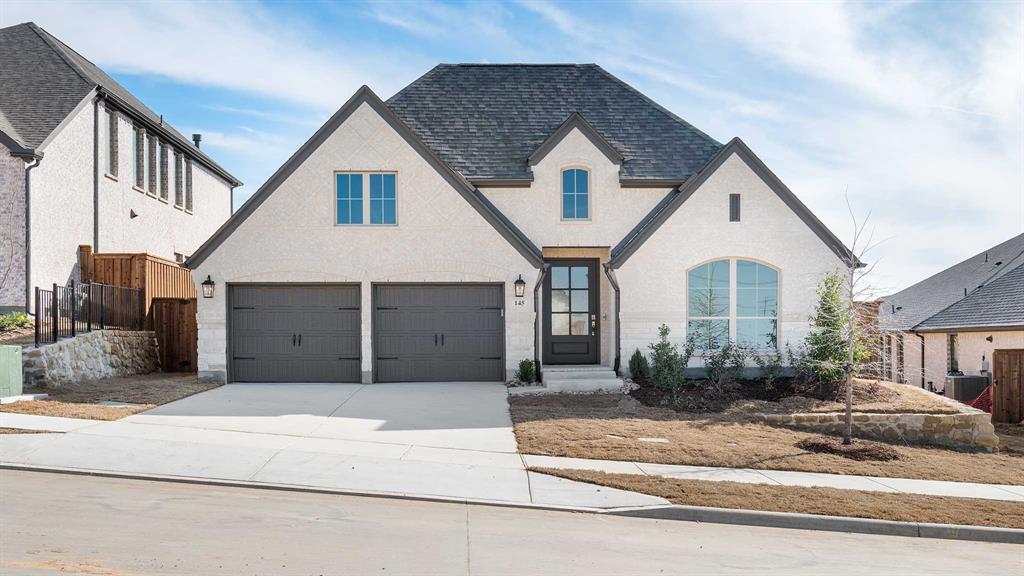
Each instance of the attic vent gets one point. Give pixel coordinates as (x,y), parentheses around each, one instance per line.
(734,207)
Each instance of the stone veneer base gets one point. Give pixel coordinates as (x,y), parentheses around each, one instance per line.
(99,354)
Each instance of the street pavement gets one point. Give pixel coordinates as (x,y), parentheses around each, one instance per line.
(58,523)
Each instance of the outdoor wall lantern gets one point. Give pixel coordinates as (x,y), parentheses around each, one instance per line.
(520,286)
(208,285)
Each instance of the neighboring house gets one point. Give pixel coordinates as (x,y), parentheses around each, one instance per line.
(488,214)
(83,162)
(954,320)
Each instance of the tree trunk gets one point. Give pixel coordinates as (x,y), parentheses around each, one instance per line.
(850,344)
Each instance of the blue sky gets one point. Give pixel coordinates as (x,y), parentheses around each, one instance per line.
(914,110)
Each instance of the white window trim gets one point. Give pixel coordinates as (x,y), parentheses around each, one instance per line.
(590,194)
(365,175)
(733,318)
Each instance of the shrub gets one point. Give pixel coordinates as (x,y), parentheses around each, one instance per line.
(12,321)
(638,367)
(770,364)
(828,343)
(724,367)
(527,371)
(667,365)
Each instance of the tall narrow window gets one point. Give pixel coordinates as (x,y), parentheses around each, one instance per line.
(138,157)
(150,151)
(900,367)
(111,142)
(708,305)
(179,180)
(734,207)
(382,199)
(188,185)
(575,194)
(349,198)
(161,170)
(757,303)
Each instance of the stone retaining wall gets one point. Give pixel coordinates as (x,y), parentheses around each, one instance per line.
(100,354)
(968,429)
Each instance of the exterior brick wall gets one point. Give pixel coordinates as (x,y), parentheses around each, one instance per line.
(12,233)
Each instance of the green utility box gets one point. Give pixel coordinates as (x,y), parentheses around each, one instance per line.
(10,371)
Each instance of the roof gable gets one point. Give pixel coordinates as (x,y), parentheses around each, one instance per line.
(486,120)
(675,199)
(575,121)
(364,95)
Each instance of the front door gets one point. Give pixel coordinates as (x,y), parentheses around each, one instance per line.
(570,313)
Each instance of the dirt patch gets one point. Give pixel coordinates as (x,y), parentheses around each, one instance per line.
(25,431)
(1011,438)
(609,426)
(81,399)
(804,500)
(860,450)
(18,336)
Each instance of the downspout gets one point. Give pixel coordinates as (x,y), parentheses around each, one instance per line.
(921,336)
(28,233)
(96,175)
(536,316)
(610,274)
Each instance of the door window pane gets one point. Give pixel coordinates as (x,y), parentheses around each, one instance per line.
(580,325)
(580,300)
(579,276)
(559,324)
(559,300)
(559,277)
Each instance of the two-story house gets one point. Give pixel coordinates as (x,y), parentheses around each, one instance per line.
(84,162)
(488,214)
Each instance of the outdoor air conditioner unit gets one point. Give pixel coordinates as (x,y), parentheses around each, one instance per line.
(965,388)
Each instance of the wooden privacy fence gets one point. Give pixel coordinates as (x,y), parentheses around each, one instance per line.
(174,322)
(169,299)
(156,277)
(1008,386)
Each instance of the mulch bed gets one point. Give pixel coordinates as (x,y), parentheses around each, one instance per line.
(860,450)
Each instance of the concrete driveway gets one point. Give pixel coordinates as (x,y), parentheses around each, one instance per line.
(460,415)
(443,440)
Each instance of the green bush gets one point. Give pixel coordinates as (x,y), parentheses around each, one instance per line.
(639,370)
(827,344)
(770,364)
(668,365)
(527,371)
(12,321)
(724,368)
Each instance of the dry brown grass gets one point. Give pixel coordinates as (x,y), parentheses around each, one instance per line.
(80,399)
(825,501)
(870,396)
(608,427)
(25,431)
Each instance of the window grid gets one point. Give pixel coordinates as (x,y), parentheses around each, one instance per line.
(179,197)
(570,301)
(138,156)
(708,304)
(732,300)
(382,199)
(150,165)
(188,185)
(111,142)
(348,198)
(757,294)
(162,174)
(575,194)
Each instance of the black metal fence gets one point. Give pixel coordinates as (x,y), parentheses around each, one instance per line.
(74,309)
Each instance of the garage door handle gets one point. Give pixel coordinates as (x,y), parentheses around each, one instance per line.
(435,339)
(442,339)
(300,340)
(293,339)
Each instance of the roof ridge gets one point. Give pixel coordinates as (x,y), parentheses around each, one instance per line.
(521,64)
(657,106)
(964,261)
(976,293)
(50,39)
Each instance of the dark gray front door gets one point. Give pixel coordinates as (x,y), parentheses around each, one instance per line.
(438,332)
(294,333)
(570,313)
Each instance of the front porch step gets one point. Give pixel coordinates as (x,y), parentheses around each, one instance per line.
(613,384)
(604,374)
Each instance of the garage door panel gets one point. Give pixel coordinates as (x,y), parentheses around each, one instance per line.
(444,332)
(267,320)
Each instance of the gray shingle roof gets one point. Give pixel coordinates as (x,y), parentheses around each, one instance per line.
(919,303)
(999,303)
(42,80)
(485,120)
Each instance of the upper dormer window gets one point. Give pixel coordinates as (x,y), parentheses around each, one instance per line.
(575,194)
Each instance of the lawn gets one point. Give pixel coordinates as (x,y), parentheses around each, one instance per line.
(798,499)
(618,427)
(82,399)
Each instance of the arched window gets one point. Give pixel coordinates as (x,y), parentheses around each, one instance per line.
(734,300)
(575,194)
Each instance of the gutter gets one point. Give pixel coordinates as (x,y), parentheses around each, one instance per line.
(610,274)
(96,174)
(28,231)
(536,315)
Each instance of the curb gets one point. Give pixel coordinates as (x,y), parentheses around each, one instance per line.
(826,523)
(787,520)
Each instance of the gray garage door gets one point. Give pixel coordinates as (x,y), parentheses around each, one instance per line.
(294,333)
(438,332)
